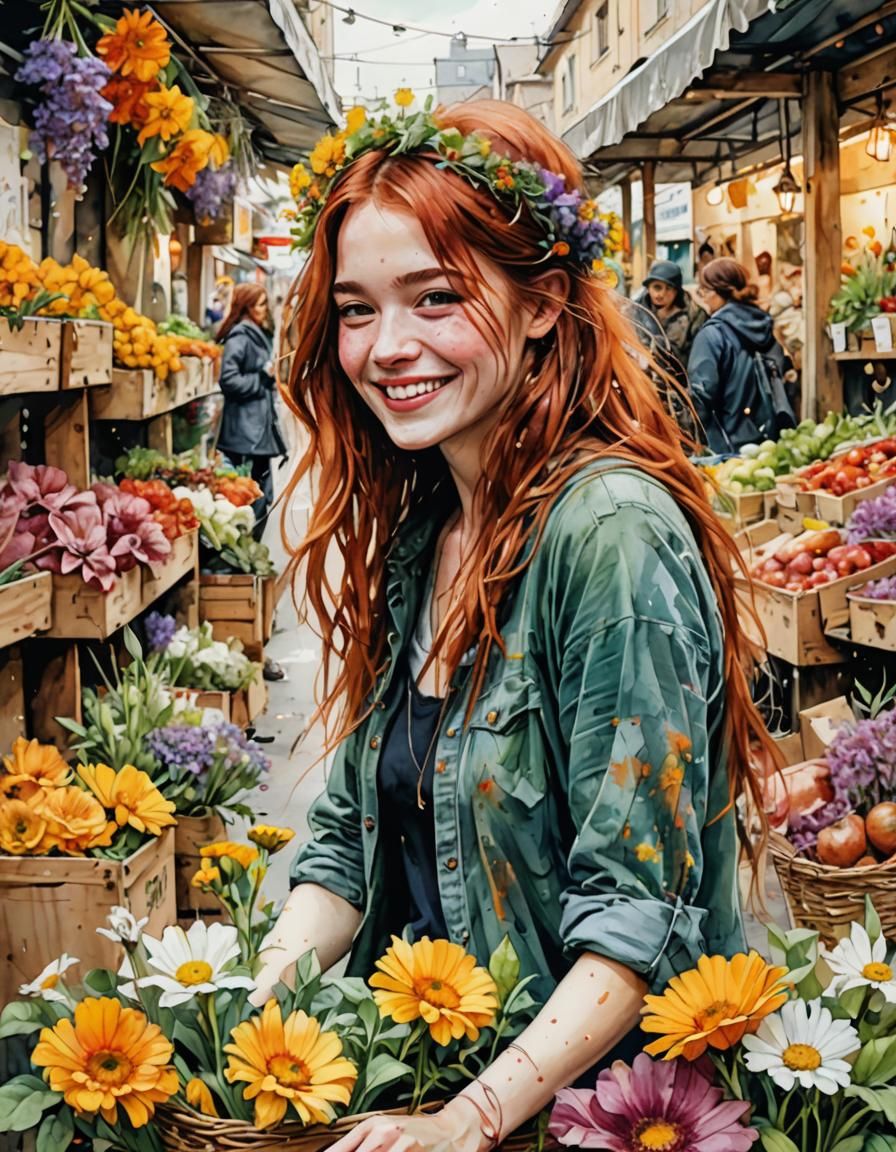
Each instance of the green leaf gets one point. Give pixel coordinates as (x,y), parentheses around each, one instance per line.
(20,1018)
(22,1103)
(877,1143)
(880,1099)
(56,1132)
(504,966)
(850,1144)
(101,982)
(872,920)
(132,644)
(775,1141)
(852,1001)
(382,1071)
(876,1063)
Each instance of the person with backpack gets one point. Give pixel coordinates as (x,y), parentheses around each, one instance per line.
(736,367)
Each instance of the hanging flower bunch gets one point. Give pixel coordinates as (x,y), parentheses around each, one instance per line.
(97,534)
(45,808)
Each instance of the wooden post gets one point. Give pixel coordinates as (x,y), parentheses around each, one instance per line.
(67,436)
(648,174)
(822,383)
(626,188)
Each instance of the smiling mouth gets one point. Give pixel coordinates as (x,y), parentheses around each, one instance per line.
(411,391)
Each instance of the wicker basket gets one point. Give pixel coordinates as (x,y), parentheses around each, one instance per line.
(828,899)
(183,1131)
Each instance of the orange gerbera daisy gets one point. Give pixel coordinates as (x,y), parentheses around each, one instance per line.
(435,981)
(111,1055)
(169,113)
(32,767)
(713,1005)
(22,829)
(287,1062)
(138,47)
(76,821)
(128,99)
(131,795)
(186,159)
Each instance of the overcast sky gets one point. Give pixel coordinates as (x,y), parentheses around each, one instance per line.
(386,61)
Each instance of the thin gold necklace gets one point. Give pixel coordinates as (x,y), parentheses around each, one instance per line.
(421,768)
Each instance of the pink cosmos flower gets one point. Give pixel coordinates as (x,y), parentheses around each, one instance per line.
(147,545)
(81,533)
(122,512)
(44,485)
(652,1105)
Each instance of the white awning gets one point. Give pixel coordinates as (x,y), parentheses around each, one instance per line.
(664,76)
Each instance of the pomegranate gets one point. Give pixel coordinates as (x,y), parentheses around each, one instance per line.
(880,825)
(843,843)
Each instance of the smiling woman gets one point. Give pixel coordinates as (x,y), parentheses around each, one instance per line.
(531,654)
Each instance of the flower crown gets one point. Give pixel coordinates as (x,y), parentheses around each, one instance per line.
(572,223)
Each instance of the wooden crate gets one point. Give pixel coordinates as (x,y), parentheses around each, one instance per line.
(872,622)
(50,905)
(183,561)
(795,623)
(240,708)
(26,607)
(234,605)
(30,356)
(191,834)
(67,436)
(838,509)
(86,353)
(137,394)
(12,698)
(84,613)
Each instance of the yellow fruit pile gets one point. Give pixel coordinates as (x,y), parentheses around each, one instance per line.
(87,291)
(18,276)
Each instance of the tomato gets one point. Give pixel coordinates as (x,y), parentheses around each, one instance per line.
(856,457)
(775,579)
(800,565)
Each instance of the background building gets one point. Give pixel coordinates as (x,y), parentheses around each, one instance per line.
(466,73)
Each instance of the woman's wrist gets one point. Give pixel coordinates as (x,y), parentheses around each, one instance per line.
(478,1114)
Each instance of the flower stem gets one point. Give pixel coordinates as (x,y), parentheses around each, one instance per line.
(419,1089)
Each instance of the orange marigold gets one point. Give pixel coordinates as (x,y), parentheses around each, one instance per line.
(186,159)
(138,47)
(128,99)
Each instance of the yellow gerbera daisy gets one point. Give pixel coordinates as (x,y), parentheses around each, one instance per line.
(207,876)
(289,1061)
(435,981)
(199,1096)
(713,1005)
(22,828)
(110,1055)
(355,119)
(76,821)
(270,837)
(138,47)
(170,113)
(243,853)
(219,151)
(131,795)
(31,767)
(404,97)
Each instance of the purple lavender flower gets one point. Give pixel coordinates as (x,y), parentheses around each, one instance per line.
(70,122)
(159,630)
(883,589)
(183,748)
(211,189)
(874,519)
(239,751)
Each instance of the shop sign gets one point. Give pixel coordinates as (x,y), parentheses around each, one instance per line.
(674,212)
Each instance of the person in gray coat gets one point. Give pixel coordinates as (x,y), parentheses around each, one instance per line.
(249,428)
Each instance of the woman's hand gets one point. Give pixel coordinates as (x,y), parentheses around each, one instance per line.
(446,1131)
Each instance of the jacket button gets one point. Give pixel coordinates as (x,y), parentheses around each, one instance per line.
(464,936)
(440,766)
(492,717)
(451,863)
(451,732)
(374,742)
(369,823)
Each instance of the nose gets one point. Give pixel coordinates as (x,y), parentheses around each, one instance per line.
(395,343)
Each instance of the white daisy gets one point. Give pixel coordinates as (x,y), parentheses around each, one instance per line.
(44,985)
(124,927)
(857,963)
(803,1044)
(189,963)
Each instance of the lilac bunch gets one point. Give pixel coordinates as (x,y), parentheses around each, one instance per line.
(883,589)
(160,630)
(238,751)
(572,218)
(212,189)
(70,124)
(209,768)
(874,519)
(183,748)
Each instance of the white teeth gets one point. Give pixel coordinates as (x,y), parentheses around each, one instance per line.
(402,392)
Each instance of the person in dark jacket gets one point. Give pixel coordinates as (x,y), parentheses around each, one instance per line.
(721,367)
(679,316)
(249,428)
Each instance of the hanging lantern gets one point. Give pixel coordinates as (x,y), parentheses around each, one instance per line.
(786,190)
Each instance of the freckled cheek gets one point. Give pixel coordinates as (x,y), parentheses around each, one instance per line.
(354,351)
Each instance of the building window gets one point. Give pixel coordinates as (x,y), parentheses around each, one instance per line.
(662,10)
(600,32)
(569,83)
(461,71)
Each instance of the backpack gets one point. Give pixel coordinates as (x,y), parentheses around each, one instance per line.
(774,411)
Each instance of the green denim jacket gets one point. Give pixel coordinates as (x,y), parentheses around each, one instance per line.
(581,808)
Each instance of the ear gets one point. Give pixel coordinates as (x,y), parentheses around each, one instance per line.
(555,286)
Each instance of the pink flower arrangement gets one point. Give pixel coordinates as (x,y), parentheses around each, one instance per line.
(655,1104)
(100,533)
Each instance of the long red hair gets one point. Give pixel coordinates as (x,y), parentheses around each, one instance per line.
(244,299)
(587,398)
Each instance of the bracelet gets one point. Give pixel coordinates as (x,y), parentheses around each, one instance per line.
(490,1130)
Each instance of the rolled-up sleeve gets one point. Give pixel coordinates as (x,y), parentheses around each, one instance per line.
(334,858)
(634,666)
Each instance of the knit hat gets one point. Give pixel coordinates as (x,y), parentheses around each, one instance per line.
(667,272)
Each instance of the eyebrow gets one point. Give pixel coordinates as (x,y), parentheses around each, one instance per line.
(407,280)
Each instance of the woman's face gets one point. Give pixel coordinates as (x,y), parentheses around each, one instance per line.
(662,295)
(259,310)
(406,342)
(709,298)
